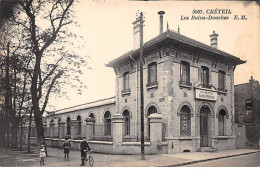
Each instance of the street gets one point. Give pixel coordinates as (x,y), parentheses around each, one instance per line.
(250,160)
(16,158)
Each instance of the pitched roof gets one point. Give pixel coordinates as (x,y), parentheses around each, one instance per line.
(179,38)
(97,103)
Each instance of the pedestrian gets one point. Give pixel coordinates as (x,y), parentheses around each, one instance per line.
(83,148)
(42,154)
(66,147)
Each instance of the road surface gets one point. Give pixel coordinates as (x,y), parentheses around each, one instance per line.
(250,160)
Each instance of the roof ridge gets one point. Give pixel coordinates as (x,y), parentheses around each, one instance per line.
(181,38)
(85,103)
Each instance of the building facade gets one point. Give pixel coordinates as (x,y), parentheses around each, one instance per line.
(188,100)
(247,111)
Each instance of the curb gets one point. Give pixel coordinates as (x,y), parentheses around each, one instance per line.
(205,160)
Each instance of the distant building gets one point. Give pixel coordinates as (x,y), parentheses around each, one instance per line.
(188,100)
(247,110)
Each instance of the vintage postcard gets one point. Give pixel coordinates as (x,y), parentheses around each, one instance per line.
(116,83)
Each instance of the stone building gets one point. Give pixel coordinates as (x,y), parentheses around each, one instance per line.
(247,111)
(188,100)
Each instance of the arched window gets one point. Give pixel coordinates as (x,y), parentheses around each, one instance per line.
(126,115)
(185,73)
(205,77)
(152,74)
(107,123)
(151,110)
(59,120)
(52,121)
(68,126)
(93,117)
(221,122)
(79,125)
(185,123)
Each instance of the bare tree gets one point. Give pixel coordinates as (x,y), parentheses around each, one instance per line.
(53,60)
(15,81)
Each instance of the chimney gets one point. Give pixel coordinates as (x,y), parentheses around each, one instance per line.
(136,34)
(252,79)
(214,40)
(161,21)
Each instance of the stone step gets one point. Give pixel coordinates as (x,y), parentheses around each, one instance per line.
(206,149)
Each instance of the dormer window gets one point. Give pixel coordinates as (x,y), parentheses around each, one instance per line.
(205,77)
(152,75)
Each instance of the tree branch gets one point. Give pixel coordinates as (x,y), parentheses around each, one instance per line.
(54,35)
(51,72)
(49,90)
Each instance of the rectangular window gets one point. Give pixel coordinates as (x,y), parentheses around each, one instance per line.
(152,74)
(205,77)
(185,73)
(221,80)
(127,126)
(126,80)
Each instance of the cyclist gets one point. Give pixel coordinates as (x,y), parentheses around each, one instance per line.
(83,147)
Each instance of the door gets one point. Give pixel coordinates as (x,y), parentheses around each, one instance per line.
(204,126)
(240,136)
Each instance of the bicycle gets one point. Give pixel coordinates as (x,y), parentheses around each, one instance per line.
(89,158)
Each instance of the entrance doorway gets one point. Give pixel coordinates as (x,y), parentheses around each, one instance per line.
(205,126)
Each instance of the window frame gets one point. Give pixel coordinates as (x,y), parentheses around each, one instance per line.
(127,125)
(152,79)
(126,84)
(222,84)
(92,115)
(68,123)
(186,113)
(107,124)
(184,65)
(221,122)
(79,128)
(126,81)
(205,84)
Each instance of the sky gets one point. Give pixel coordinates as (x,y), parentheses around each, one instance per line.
(106,26)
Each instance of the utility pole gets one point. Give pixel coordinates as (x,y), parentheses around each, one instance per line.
(141,86)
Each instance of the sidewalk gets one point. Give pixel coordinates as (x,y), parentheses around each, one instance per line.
(55,158)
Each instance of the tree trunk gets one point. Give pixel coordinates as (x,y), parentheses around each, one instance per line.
(29,131)
(7,98)
(39,126)
(14,139)
(21,133)
(3,130)
(14,133)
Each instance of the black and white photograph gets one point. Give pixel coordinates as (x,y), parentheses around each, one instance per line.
(124,83)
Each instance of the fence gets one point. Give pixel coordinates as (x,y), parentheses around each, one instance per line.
(132,132)
(102,132)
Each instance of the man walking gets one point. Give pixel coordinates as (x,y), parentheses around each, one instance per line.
(83,147)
